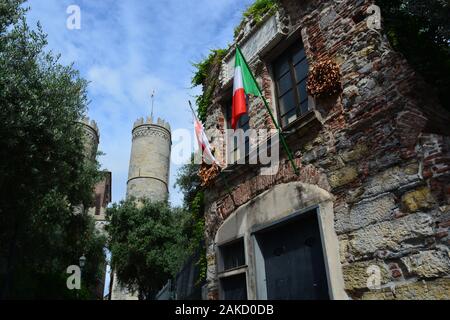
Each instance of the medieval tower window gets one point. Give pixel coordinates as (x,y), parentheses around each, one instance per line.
(290,72)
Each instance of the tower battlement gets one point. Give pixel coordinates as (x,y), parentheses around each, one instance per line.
(91,137)
(160,122)
(92,125)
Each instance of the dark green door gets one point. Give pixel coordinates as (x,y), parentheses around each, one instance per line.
(293,259)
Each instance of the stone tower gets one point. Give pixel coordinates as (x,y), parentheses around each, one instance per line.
(148,175)
(102,191)
(91,138)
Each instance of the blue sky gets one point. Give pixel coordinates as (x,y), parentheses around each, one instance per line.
(126,48)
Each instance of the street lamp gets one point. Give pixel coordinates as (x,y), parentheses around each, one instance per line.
(82,264)
(82,261)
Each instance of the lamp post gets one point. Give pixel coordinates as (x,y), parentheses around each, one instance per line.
(82,262)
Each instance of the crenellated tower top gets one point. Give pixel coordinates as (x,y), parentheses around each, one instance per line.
(91,137)
(160,122)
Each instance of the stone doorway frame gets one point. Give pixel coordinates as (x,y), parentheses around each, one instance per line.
(278,204)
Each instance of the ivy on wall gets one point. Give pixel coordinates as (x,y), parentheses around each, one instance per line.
(256,12)
(194,223)
(209,81)
(203,75)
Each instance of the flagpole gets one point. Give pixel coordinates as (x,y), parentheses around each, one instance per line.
(152,96)
(266,104)
(283,141)
(192,109)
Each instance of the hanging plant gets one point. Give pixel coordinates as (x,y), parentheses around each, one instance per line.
(207,173)
(324,79)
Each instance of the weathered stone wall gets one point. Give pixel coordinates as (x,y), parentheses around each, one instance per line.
(381,148)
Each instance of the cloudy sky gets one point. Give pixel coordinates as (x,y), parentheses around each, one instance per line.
(126,49)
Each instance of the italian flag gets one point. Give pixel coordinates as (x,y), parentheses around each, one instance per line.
(244,83)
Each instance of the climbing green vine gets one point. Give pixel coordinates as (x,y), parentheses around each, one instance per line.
(198,233)
(204,100)
(194,224)
(256,12)
(203,77)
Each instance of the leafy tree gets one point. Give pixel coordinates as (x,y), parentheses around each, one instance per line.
(194,220)
(150,241)
(420,29)
(188,180)
(43,173)
(146,244)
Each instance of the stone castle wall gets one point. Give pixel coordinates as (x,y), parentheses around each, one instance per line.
(380,149)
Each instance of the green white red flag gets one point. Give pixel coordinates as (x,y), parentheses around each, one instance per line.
(244,83)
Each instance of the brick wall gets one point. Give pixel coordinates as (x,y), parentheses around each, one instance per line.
(381,148)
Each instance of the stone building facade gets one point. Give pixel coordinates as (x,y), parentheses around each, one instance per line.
(102,197)
(368,215)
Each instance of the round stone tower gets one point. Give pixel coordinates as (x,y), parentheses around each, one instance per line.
(148,175)
(91,138)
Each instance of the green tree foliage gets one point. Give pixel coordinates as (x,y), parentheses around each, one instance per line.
(420,29)
(188,180)
(204,67)
(146,244)
(194,219)
(43,173)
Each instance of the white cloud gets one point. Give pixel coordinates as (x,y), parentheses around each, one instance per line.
(128,48)
(105,80)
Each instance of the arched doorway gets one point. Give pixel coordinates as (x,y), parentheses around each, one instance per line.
(281,245)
